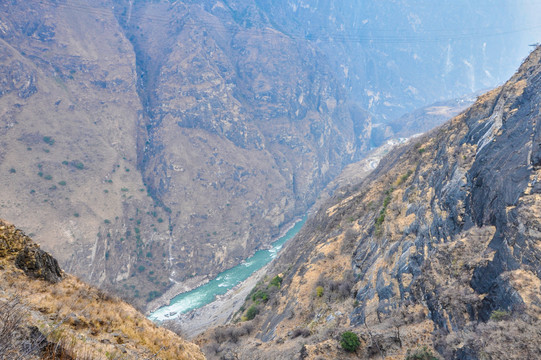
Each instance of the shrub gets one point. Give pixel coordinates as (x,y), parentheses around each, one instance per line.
(153,295)
(260,294)
(349,341)
(252,312)
(48,140)
(499,315)
(276,281)
(421,354)
(78,164)
(319,291)
(48,177)
(62,183)
(12,171)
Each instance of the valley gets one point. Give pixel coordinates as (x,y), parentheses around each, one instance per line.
(161,150)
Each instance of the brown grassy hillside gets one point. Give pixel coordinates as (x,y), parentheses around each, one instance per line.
(45,313)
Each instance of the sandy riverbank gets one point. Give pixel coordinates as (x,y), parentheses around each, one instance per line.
(217,312)
(176,289)
(195,282)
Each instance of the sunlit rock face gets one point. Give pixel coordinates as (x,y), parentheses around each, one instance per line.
(435,251)
(156,142)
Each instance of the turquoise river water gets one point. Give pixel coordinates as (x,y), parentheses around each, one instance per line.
(205,294)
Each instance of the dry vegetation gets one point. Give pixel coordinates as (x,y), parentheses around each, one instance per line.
(72,320)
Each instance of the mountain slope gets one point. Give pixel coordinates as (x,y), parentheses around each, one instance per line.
(46,313)
(156,143)
(176,158)
(439,246)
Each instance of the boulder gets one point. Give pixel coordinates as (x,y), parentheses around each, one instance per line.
(39,264)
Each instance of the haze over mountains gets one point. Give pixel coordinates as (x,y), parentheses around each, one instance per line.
(148,143)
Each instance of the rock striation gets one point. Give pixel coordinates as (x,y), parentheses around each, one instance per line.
(158,143)
(436,251)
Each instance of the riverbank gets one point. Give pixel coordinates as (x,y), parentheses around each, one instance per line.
(218,312)
(192,284)
(176,289)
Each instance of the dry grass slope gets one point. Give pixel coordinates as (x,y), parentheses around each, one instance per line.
(72,320)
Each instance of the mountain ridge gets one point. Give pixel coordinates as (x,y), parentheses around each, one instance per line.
(159,143)
(437,247)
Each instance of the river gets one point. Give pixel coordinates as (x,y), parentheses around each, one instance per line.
(205,294)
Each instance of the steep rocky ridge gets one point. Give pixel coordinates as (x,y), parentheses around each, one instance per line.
(60,317)
(241,112)
(439,247)
(157,143)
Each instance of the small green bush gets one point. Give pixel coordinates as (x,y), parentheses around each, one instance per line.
(252,312)
(276,281)
(78,164)
(48,140)
(421,354)
(499,315)
(12,171)
(349,341)
(260,294)
(319,291)
(62,183)
(48,177)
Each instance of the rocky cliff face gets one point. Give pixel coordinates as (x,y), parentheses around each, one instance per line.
(240,112)
(437,247)
(60,317)
(383,52)
(161,142)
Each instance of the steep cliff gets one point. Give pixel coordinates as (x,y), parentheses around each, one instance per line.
(162,142)
(156,143)
(241,112)
(438,247)
(48,314)
(68,155)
